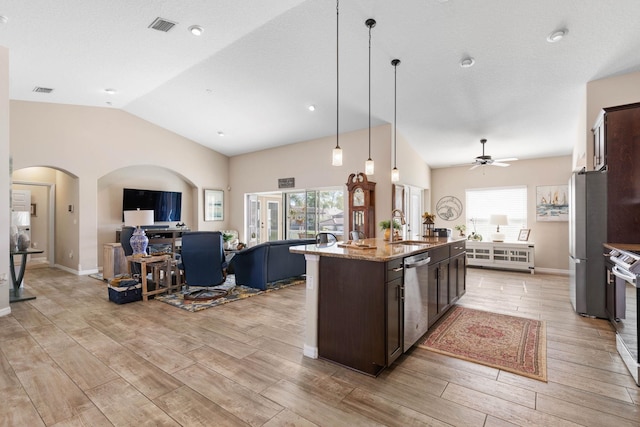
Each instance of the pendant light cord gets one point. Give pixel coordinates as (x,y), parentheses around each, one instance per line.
(370,26)
(395,110)
(337,75)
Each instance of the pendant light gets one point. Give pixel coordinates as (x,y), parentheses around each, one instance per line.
(395,173)
(336,157)
(368,166)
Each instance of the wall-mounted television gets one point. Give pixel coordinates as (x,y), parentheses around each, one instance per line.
(166,205)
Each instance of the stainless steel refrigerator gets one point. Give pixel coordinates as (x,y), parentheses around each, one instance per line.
(587,233)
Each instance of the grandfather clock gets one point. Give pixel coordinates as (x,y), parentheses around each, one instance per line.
(362,201)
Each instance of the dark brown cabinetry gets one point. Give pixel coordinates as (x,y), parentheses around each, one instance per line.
(360,314)
(617,137)
(457,272)
(615,293)
(394,309)
(438,283)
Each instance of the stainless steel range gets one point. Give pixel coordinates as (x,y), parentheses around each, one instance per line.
(626,270)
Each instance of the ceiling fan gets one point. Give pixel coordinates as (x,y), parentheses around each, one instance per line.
(485,159)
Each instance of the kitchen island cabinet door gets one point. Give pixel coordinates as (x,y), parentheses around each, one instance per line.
(351,313)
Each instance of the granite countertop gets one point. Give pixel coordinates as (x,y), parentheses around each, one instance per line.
(378,249)
(623,246)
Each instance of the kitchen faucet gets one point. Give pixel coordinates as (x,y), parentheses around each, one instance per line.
(394,213)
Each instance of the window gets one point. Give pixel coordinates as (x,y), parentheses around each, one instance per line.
(484,202)
(312,211)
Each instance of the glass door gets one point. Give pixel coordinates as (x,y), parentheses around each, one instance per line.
(253,219)
(273,220)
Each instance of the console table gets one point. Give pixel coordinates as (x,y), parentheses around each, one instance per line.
(17,293)
(504,255)
(170,236)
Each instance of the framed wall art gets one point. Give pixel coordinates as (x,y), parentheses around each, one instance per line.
(213,205)
(552,203)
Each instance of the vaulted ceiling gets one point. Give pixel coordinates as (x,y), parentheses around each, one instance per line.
(259,65)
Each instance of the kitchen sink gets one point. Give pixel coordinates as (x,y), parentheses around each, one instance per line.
(410,242)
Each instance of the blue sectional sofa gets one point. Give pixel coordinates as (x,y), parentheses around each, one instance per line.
(269,262)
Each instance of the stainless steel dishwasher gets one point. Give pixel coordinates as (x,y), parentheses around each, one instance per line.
(416,319)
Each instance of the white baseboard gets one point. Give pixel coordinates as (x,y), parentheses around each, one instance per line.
(311,352)
(5,311)
(552,271)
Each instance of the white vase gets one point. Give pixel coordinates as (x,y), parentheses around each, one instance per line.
(139,242)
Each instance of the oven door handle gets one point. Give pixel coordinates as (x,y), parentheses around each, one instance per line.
(631,278)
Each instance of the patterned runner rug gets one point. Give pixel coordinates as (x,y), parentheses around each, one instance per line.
(510,343)
(233,293)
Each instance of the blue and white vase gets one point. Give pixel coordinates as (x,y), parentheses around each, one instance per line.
(139,242)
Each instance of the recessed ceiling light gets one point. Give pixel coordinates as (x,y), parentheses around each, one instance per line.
(312,108)
(220,133)
(556,36)
(110,91)
(196,30)
(467,62)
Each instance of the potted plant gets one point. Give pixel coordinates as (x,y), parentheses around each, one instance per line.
(227,240)
(386,226)
(474,236)
(461,228)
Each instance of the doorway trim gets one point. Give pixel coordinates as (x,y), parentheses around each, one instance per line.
(51,254)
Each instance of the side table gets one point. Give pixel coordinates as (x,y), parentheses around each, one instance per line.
(17,293)
(157,264)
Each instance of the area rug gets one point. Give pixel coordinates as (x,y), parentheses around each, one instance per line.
(510,343)
(233,293)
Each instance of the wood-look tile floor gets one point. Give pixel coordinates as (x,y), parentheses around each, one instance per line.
(73,358)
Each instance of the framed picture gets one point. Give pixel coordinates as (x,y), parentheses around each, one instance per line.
(552,204)
(524,234)
(213,205)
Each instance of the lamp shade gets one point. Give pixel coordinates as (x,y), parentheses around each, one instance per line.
(137,218)
(498,220)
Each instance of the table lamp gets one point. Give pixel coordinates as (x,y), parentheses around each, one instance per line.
(139,239)
(498,220)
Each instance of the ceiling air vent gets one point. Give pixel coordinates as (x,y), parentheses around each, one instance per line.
(39,89)
(161,24)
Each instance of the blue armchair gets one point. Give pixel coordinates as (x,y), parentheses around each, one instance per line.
(269,262)
(203,259)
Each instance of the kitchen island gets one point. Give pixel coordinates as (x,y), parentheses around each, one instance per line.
(356,297)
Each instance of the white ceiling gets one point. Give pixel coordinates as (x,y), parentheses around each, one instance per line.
(260,63)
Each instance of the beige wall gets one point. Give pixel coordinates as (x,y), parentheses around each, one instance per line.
(87,143)
(551,238)
(310,164)
(603,93)
(4,181)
